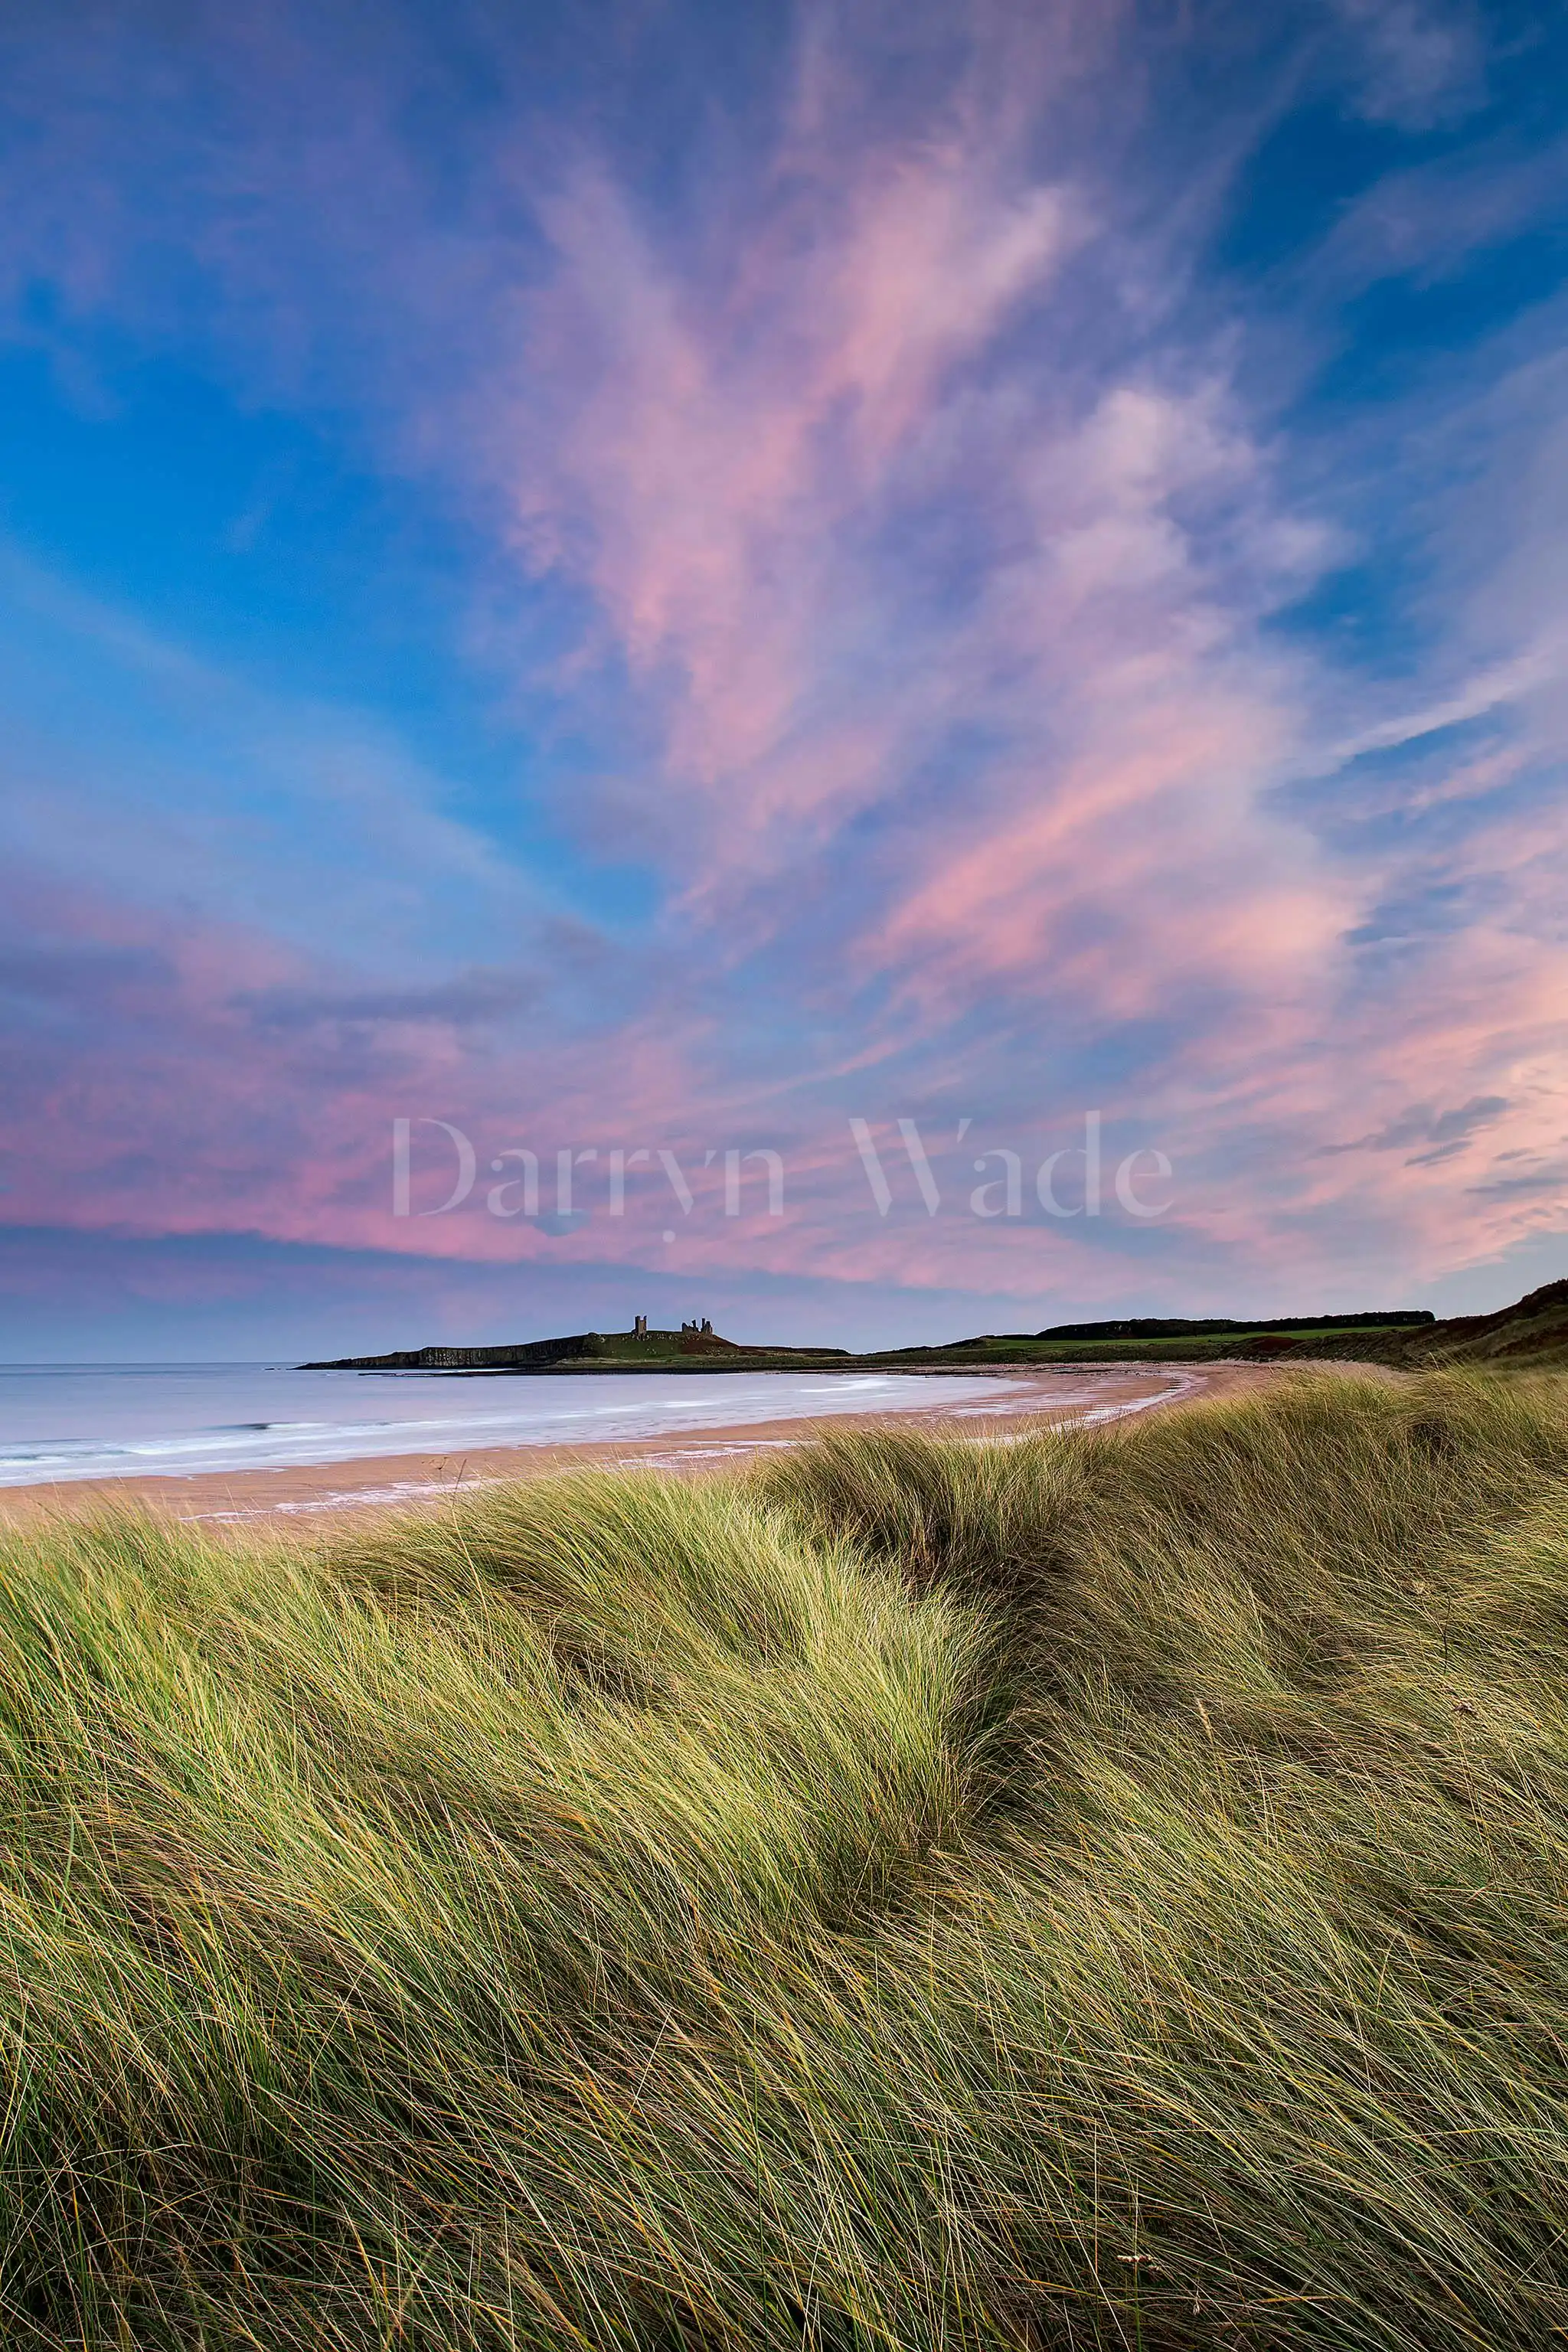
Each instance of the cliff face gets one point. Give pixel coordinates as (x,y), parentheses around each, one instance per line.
(525,1355)
(692,1348)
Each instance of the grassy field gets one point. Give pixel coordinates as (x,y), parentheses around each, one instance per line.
(1099,1891)
(1204,1348)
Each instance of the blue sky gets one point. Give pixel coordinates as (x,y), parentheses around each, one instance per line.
(668,581)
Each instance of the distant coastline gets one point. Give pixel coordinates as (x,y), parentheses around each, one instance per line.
(1532,1331)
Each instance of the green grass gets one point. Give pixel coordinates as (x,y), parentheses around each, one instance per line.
(1208,1348)
(1367,1342)
(1108,1890)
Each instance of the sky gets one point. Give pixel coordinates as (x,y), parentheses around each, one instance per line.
(970,597)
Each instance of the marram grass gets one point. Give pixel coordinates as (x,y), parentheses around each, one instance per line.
(1108,1890)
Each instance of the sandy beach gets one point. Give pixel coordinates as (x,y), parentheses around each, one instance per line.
(1026,1398)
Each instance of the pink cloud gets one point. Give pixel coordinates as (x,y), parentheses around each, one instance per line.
(940,555)
(716,446)
(1119,855)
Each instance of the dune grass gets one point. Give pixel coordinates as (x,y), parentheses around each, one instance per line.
(1104,1890)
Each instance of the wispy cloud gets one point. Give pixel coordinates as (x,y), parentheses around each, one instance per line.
(1021,672)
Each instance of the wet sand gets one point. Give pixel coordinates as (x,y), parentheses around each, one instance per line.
(1026,1399)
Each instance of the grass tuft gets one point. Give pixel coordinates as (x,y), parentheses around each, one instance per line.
(1107,1889)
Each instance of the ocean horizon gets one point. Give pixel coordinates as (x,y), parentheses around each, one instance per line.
(68,1421)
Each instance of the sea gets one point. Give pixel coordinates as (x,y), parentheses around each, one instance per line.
(60,1421)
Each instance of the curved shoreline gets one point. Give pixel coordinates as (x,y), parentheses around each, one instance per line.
(1032,1400)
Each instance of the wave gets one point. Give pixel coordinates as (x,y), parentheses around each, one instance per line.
(150,1427)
